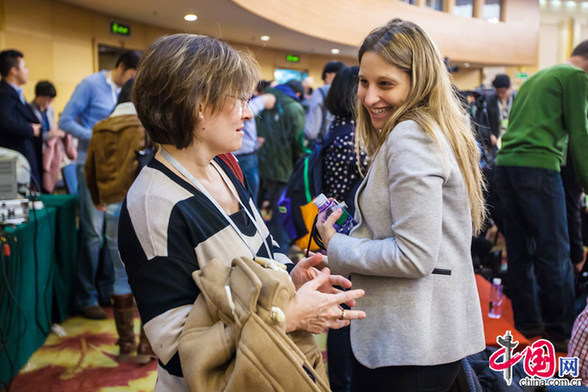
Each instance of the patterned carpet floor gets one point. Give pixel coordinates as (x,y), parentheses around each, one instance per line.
(84,360)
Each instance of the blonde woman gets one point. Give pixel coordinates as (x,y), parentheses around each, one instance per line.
(417,207)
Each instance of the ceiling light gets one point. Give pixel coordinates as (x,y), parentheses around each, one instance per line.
(335,51)
(571,4)
(555,3)
(265,38)
(190,17)
(584,4)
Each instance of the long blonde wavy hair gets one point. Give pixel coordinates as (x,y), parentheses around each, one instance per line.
(431,103)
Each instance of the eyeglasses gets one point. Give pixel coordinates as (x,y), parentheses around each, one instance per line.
(243,101)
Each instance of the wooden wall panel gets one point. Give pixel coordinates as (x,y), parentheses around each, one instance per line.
(549,36)
(467,79)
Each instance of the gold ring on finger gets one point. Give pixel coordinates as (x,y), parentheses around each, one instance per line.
(342,317)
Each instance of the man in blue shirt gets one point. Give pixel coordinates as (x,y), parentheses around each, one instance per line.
(93,100)
(19,128)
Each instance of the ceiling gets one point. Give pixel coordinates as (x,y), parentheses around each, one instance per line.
(217,18)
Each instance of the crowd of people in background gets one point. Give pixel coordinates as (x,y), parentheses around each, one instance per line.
(425,174)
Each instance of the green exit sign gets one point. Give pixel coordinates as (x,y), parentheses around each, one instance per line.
(521,75)
(292,58)
(120,29)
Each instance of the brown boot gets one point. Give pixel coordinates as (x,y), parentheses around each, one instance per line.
(144,352)
(124,314)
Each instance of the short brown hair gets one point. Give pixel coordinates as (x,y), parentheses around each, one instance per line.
(8,60)
(180,72)
(581,49)
(129,59)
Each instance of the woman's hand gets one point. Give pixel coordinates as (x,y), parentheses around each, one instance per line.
(325,226)
(308,268)
(313,310)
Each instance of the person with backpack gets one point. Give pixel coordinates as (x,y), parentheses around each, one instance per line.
(417,207)
(318,117)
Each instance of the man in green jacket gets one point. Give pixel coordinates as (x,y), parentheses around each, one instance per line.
(550,111)
(283,129)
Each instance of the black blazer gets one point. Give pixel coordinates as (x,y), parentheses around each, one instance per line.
(494,112)
(16,132)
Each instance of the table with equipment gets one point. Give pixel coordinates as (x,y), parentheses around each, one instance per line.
(37,269)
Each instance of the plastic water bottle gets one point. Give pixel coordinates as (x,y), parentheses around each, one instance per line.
(345,223)
(495,299)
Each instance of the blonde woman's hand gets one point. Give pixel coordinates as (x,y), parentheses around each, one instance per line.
(325,227)
(314,311)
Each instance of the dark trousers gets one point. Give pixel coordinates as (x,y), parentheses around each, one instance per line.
(94,268)
(540,276)
(438,378)
(339,359)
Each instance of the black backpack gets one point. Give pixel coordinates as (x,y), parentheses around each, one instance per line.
(306,183)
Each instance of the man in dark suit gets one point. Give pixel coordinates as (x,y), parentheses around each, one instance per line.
(492,120)
(20,129)
(498,105)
